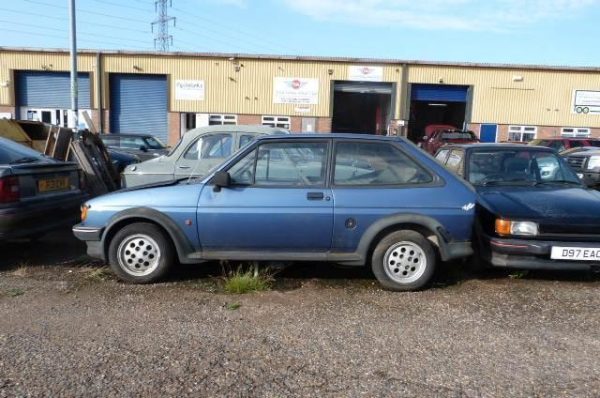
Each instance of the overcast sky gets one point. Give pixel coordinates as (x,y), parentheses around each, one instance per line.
(552,32)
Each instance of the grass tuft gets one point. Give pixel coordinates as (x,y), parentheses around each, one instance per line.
(15,292)
(99,275)
(232,306)
(247,280)
(519,274)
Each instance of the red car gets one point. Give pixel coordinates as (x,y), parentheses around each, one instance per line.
(438,135)
(563,143)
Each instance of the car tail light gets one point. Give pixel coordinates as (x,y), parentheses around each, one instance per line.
(9,189)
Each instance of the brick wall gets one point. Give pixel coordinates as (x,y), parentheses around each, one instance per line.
(323,125)
(8,109)
(174,126)
(249,119)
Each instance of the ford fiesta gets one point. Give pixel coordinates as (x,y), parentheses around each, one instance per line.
(533,212)
(341,198)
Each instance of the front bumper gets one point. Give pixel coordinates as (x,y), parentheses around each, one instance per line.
(93,238)
(30,219)
(533,254)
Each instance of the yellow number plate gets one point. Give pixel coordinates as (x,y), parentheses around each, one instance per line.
(53,184)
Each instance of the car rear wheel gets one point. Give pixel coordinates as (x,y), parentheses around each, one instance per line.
(141,253)
(403,260)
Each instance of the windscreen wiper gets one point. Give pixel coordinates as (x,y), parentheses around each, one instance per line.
(26,159)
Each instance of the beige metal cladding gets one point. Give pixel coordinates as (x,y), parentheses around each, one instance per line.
(518,97)
(240,86)
(40,61)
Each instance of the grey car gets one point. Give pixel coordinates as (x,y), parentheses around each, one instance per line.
(198,151)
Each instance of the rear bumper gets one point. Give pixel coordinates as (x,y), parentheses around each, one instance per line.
(25,220)
(533,254)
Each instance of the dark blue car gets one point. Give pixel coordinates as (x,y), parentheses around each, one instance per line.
(349,199)
(533,212)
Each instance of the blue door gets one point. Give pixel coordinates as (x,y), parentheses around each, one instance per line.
(138,104)
(278,201)
(488,132)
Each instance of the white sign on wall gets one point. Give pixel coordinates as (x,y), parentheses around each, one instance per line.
(365,73)
(295,90)
(586,101)
(189,90)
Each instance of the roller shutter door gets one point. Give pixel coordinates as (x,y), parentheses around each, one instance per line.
(363,87)
(50,90)
(138,104)
(439,92)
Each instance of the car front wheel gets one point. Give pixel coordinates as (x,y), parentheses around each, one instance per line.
(141,253)
(403,260)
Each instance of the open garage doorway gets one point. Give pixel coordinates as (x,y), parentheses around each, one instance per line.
(362,107)
(437,104)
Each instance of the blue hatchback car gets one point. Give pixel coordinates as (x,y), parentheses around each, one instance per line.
(343,198)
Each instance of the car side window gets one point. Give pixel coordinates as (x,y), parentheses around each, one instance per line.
(242,173)
(359,163)
(245,139)
(456,161)
(109,140)
(441,156)
(132,142)
(291,163)
(210,147)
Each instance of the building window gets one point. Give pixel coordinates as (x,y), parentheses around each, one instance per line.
(219,120)
(575,132)
(521,133)
(190,121)
(276,121)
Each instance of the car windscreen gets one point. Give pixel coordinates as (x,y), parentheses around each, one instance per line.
(12,152)
(153,143)
(458,135)
(517,167)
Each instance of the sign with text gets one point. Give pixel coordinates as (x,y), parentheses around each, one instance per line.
(295,90)
(365,73)
(189,90)
(586,101)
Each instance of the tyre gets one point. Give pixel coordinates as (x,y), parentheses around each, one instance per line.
(403,261)
(141,253)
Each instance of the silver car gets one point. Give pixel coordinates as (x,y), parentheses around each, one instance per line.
(198,151)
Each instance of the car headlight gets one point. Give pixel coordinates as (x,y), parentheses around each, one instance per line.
(593,162)
(518,228)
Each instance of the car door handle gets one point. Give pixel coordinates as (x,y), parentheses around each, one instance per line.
(185,167)
(315,196)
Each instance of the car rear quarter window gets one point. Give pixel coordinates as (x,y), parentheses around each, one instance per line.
(373,164)
(456,161)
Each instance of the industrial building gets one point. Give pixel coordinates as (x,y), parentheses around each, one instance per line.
(166,94)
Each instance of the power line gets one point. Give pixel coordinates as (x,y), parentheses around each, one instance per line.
(88,12)
(85,24)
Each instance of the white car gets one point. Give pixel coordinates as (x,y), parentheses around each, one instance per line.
(198,151)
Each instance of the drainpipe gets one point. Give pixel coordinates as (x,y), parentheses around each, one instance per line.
(99,92)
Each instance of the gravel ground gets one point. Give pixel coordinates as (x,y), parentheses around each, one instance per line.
(68,329)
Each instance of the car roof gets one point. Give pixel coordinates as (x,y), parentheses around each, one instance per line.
(568,139)
(300,136)
(497,146)
(238,128)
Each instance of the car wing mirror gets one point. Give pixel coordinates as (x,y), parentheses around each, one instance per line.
(221,179)
(143,148)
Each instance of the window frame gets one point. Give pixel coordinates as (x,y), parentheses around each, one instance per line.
(222,119)
(277,121)
(522,130)
(576,132)
(436,179)
(256,147)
